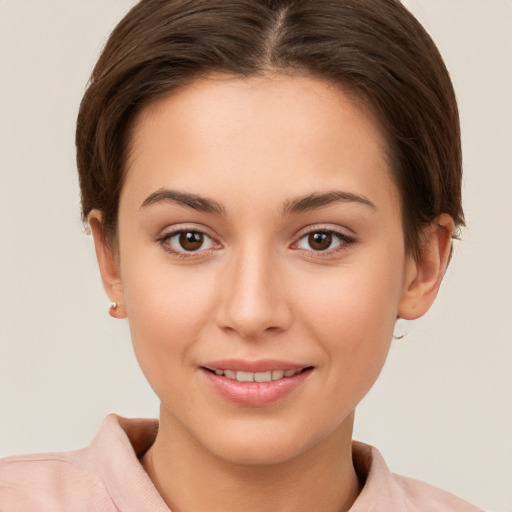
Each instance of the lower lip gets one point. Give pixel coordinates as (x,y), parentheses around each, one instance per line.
(255,394)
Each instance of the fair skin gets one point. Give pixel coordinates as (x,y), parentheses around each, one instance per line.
(294,260)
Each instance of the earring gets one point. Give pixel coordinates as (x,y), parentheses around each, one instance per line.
(400,331)
(112,308)
(117,310)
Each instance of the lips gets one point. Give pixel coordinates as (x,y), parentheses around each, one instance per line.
(255,384)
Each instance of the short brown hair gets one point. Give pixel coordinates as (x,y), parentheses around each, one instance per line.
(375,49)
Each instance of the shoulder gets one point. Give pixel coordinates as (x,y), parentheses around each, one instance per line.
(383,490)
(106,475)
(51,482)
(428,498)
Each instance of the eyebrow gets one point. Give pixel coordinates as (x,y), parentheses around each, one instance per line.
(294,206)
(199,203)
(317,200)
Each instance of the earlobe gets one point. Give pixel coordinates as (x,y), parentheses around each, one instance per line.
(108,265)
(423,276)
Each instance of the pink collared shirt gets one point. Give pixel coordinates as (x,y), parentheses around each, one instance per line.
(108,477)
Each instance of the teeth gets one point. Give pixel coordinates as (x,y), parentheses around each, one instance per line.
(245,376)
(263,377)
(258,376)
(277,374)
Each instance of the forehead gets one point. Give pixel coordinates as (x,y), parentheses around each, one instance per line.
(275,132)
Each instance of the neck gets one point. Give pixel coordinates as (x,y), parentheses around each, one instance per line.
(192,479)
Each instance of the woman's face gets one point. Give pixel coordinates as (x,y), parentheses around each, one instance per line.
(260,238)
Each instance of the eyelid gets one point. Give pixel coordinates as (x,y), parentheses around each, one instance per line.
(176,229)
(330,228)
(346,239)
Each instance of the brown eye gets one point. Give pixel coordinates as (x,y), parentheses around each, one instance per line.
(191,240)
(187,243)
(320,241)
(324,241)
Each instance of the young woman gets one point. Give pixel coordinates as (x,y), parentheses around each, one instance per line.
(270,185)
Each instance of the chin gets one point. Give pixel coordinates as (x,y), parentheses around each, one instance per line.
(258,452)
(265,443)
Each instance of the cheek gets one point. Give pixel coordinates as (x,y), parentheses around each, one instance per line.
(351,314)
(350,301)
(167,310)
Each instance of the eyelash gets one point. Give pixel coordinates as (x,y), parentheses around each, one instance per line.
(344,242)
(166,238)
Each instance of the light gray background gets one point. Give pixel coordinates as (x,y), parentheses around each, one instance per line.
(441,410)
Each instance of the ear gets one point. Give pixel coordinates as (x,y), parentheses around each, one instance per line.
(424,275)
(108,262)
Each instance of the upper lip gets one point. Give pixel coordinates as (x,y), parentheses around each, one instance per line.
(261,365)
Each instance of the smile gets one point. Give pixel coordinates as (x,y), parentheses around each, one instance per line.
(255,384)
(267,376)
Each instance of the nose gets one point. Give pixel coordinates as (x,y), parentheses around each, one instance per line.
(254,302)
